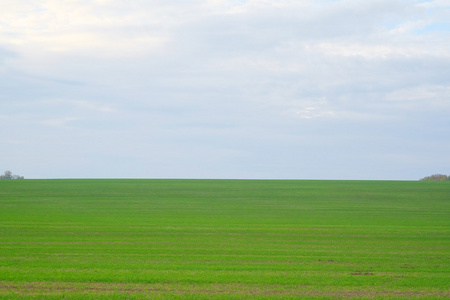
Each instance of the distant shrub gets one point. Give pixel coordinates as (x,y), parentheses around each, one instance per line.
(10,175)
(436,177)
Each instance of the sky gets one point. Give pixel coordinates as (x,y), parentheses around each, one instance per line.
(245,89)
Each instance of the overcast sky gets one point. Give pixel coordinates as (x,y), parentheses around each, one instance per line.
(282,89)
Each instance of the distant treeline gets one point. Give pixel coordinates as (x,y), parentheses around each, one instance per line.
(436,177)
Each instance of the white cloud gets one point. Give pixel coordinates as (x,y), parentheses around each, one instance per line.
(95,28)
(81,104)
(381,50)
(435,4)
(313,112)
(59,122)
(422,98)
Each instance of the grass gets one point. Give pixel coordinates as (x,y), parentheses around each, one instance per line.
(224,239)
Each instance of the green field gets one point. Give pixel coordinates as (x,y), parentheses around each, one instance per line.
(224,239)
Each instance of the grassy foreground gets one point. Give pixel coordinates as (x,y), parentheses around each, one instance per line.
(224,239)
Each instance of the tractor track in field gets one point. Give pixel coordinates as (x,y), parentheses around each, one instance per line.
(46,288)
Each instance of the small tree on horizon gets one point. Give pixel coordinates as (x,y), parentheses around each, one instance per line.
(9,175)
(436,177)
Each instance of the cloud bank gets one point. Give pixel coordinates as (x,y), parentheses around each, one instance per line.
(225,89)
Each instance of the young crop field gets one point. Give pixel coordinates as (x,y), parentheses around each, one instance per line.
(224,239)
